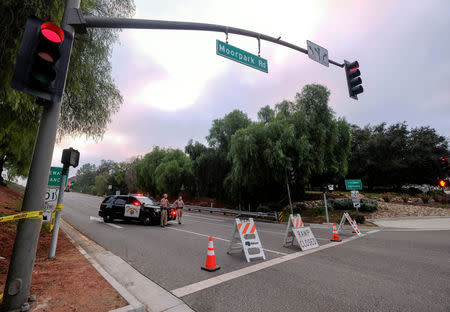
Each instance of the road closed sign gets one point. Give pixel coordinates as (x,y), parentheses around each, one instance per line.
(305,238)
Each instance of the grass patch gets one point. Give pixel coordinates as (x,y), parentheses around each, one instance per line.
(17,187)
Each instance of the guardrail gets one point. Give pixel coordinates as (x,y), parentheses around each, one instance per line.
(271,215)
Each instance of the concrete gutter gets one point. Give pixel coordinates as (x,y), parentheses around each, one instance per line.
(141,293)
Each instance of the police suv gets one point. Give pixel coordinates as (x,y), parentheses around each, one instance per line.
(133,207)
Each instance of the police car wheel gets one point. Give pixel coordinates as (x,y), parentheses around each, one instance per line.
(147,221)
(107,218)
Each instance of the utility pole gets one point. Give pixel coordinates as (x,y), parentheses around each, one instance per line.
(20,271)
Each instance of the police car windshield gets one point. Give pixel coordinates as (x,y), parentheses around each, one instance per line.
(145,200)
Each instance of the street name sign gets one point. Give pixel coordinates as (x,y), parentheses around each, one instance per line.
(241,56)
(54,178)
(317,53)
(353,185)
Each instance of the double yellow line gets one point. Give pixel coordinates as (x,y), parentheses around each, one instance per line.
(23,215)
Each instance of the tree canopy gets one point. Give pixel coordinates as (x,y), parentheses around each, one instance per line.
(90,97)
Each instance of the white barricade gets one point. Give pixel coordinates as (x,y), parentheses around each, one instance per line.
(294,222)
(347,217)
(247,239)
(296,230)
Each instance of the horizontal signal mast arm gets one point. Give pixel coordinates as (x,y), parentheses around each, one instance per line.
(112,22)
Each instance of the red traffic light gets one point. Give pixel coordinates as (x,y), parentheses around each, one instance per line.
(353,66)
(52,32)
(442,183)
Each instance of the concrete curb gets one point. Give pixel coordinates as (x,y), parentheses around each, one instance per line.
(141,293)
(134,304)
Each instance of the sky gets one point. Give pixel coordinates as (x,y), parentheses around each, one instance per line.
(174,85)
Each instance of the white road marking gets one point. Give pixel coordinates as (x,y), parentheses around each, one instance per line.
(189,289)
(262,231)
(225,240)
(100,220)
(189,215)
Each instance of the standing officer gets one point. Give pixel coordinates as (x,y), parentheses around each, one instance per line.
(179,204)
(164,206)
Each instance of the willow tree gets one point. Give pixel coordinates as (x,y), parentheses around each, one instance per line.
(90,98)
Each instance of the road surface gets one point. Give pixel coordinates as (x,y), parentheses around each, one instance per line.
(385,270)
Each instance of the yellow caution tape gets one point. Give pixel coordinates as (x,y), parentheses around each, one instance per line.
(22,215)
(59,207)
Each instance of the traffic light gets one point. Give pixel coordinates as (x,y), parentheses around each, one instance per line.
(353,79)
(43,59)
(291,172)
(442,183)
(444,166)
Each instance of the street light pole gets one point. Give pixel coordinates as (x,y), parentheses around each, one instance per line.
(20,271)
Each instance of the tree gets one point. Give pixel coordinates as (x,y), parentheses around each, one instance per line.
(85,179)
(173,173)
(145,170)
(90,96)
(266,114)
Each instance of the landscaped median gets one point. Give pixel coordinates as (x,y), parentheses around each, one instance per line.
(66,283)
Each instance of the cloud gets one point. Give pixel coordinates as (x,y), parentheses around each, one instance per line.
(174,84)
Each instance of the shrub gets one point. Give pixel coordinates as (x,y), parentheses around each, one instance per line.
(369,205)
(263,209)
(414,191)
(299,207)
(340,203)
(425,198)
(275,206)
(386,197)
(319,210)
(360,219)
(405,198)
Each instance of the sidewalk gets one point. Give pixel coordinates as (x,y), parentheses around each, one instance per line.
(137,289)
(422,223)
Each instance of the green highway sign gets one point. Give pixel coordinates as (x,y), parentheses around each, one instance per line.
(241,56)
(353,184)
(54,177)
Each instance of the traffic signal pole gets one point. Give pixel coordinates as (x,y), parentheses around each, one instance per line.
(20,271)
(77,19)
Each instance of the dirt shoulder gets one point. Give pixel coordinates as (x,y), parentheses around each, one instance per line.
(66,283)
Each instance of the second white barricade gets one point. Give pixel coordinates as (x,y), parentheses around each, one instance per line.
(248,239)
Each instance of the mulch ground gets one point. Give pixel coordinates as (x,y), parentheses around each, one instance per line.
(66,283)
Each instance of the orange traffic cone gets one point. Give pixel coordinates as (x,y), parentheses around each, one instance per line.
(210,258)
(335,237)
(356,225)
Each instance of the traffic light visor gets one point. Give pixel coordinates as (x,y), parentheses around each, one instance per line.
(52,32)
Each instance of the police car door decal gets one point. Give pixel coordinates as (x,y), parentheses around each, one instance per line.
(132,211)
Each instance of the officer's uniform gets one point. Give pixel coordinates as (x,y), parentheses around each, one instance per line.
(164,206)
(179,204)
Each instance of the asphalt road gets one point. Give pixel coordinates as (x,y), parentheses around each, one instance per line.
(382,271)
